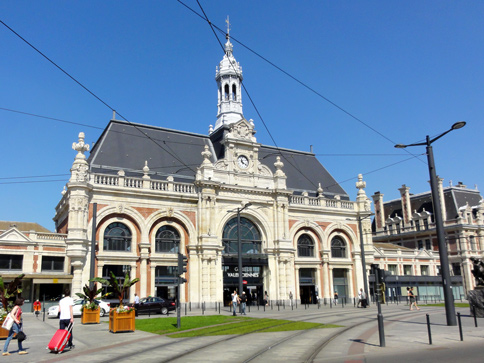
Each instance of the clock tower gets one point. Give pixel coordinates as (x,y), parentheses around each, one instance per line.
(229,80)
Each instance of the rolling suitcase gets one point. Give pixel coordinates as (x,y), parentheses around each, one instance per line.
(59,341)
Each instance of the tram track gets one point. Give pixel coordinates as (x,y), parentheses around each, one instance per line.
(329,317)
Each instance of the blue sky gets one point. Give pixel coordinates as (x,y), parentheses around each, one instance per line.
(406,69)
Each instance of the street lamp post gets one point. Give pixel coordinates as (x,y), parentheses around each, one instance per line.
(363,258)
(239,243)
(439,224)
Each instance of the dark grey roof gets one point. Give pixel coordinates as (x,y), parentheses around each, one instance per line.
(127,146)
(454,198)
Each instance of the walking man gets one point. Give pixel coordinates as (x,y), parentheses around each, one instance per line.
(136,304)
(66,315)
(290,297)
(243,302)
(235,301)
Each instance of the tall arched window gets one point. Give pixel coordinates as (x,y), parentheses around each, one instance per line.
(167,240)
(227,91)
(117,237)
(305,246)
(234,92)
(249,237)
(338,248)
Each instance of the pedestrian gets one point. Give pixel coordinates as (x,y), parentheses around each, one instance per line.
(266,299)
(16,314)
(411,297)
(235,301)
(136,304)
(66,316)
(37,307)
(243,302)
(335,297)
(290,297)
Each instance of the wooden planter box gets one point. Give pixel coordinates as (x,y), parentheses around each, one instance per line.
(90,316)
(3,332)
(121,322)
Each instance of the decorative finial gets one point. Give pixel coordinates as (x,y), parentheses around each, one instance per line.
(114,114)
(228,27)
(80,147)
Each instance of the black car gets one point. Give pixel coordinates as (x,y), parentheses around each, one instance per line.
(155,305)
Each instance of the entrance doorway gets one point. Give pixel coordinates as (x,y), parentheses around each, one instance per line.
(308,294)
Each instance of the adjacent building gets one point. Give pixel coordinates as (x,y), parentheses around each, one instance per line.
(408,223)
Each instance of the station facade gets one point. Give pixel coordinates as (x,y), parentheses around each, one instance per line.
(159,191)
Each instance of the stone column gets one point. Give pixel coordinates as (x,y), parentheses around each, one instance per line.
(379,211)
(132,276)
(326,290)
(406,207)
(351,285)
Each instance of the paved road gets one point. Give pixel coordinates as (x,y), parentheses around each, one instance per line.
(358,340)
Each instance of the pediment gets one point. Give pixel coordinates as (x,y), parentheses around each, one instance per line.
(242,130)
(14,235)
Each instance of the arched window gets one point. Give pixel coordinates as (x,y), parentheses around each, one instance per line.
(117,237)
(249,237)
(167,240)
(227,91)
(305,246)
(234,92)
(338,248)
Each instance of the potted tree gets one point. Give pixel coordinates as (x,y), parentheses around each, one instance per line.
(7,298)
(121,318)
(90,309)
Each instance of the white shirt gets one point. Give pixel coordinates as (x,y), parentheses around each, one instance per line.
(64,307)
(136,299)
(234,298)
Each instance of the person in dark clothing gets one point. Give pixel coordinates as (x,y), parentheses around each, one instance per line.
(243,302)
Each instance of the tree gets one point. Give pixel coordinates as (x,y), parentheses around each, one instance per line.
(119,290)
(90,294)
(9,295)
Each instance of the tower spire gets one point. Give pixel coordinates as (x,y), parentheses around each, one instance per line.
(229,80)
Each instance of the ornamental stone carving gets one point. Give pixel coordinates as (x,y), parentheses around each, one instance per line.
(80,147)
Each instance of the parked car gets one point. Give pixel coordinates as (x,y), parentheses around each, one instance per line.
(53,311)
(155,305)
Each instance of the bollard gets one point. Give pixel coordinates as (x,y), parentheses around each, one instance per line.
(190,306)
(203,311)
(264,307)
(272,305)
(278,307)
(296,304)
(292,306)
(249,308)
(330,303)
(218,308)
(474,313)
(43,319)
(186,309)
(342,303)
(460,328)
(428,329)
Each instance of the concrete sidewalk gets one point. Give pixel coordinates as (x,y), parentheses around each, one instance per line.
(96,344)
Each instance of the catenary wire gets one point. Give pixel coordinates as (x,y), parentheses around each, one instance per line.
(297,80)
(85,88)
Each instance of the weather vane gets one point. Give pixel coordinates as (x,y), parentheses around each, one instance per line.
(228,26)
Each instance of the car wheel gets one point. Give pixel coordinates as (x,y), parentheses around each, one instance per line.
(102,313)
(164,311)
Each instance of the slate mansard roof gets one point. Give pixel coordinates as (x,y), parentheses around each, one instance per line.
(455,198)
(126,146)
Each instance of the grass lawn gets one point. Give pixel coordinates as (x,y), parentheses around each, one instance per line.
(457,305)
(192,326)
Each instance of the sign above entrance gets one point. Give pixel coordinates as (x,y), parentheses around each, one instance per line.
(244,282)
(247,271)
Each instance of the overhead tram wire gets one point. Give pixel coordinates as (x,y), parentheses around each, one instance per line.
(253,104)
(112,109)
(300,82)
(90,92)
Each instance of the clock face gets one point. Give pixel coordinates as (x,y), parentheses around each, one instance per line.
(243,162)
